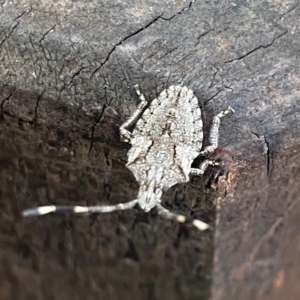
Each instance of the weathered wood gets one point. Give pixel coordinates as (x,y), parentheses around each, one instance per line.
(257,245)
(67,75)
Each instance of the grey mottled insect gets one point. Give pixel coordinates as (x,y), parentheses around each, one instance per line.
(165,141)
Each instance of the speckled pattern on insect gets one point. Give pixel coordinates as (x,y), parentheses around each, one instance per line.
(167,137)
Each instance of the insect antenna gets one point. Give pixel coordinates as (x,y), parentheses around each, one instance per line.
(180,218)
(43,210)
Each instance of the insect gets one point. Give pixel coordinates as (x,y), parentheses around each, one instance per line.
(165,141)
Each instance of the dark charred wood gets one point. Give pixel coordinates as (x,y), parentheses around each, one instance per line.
(67,75)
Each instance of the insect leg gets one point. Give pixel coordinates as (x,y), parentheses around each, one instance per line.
(125,134)
(203,166)
(43,210)
(180,218)
(214,131)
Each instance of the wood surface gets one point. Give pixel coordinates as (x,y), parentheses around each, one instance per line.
(67,76)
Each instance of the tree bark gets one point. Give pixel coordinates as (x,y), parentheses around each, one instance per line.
(67,75)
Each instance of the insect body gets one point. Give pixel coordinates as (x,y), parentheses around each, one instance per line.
(167,138)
